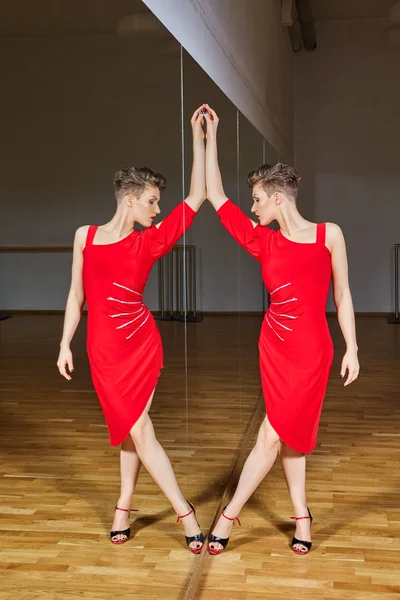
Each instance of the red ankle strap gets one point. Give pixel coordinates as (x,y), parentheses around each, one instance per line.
(299,518)
(230,519)
(183,516)
(128,510)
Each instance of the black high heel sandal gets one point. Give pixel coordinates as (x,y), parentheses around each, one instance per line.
(295,541)
(194,538)
(213,539)
(125,532)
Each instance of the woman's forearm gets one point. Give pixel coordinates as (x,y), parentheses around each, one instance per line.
(72,317)
(345,312)
(197,193)
(215,188)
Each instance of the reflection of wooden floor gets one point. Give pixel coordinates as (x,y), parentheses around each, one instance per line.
(59,475)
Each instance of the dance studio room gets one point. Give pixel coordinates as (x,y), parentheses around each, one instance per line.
(199,299)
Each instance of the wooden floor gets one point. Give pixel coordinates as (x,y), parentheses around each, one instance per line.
(59,475)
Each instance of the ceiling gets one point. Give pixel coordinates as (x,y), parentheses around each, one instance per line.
(334,10)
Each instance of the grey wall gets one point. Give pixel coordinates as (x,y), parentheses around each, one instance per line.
(77,110)
(347,131)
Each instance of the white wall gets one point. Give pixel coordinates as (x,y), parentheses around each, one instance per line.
(245,50)
(347,133)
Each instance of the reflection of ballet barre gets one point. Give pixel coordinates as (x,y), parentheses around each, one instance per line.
(396,317)
(29,250)
(177,285)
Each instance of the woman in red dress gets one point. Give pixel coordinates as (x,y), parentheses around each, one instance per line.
(296,350)
(111,264)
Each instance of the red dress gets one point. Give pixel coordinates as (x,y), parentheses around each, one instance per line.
(296,350)
(123,342)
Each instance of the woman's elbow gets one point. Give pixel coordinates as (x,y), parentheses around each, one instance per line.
(77,296)
(341,294)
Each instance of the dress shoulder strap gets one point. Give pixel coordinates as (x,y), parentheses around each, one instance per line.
(90,235)
(321,234)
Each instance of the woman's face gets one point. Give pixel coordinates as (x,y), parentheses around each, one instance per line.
(264,206)
(146,208)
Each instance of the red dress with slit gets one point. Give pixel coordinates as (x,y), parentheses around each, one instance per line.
(123,341)
(296,350)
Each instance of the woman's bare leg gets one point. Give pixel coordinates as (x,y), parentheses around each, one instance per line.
(155,460)
(294,467)
(130,468)
(256,467)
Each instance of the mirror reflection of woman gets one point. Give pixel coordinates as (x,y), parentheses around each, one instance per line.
(111,264)
(296,350)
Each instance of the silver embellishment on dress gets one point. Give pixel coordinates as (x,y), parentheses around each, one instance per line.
(142,311)
(271,312)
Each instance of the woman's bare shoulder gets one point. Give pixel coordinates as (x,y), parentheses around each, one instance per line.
(81,235)
(334,235)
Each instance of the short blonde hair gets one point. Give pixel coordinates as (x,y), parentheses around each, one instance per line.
(276,178)
(134,180)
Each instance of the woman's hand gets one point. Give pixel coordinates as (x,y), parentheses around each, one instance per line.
(212,121)
(197,122)
(64,360)
(350,363)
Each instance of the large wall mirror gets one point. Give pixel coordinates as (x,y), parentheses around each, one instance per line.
(88,92)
